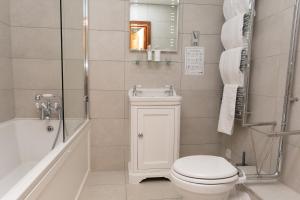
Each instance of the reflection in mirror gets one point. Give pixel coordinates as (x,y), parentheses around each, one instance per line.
(153,24)
(140,35)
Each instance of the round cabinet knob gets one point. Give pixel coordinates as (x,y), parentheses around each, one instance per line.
(140,134)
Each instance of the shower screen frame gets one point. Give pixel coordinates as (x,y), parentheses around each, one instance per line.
(85,63)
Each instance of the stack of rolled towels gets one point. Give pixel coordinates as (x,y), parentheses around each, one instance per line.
(234,43)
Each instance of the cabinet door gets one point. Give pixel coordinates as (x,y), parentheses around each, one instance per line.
(155,138)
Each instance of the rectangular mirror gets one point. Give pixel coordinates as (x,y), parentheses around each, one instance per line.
(153,24)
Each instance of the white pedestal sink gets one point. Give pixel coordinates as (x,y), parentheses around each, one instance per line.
(155,128)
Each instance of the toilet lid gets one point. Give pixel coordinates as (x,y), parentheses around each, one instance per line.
(204,167)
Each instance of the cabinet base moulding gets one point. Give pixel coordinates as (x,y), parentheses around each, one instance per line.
(138,177)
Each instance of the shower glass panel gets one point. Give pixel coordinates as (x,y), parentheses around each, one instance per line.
(73,60)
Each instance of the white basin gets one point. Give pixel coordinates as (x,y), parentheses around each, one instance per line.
(164,94)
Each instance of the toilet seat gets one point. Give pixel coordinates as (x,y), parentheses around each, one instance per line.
(204,169)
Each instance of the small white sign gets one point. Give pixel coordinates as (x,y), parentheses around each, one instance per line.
(194,61)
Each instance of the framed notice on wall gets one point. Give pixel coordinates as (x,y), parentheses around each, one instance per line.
(194,61)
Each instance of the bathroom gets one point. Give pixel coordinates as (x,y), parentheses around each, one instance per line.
(72,78)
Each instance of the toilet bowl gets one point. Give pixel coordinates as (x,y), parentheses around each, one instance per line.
(204,177)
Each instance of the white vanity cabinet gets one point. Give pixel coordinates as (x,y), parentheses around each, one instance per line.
(154,129)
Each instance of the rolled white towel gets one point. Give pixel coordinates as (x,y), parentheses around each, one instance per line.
(230,67)
(231,8)
(232,32)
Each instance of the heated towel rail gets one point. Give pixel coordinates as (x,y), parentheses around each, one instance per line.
(243,93)
(241,111)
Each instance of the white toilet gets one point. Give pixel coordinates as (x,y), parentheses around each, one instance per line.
(204,177)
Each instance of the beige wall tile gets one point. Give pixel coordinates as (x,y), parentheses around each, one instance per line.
(106,75)
(266,39)
(4,11)
(74,103)
(263,108)
(208,19)
(262,84)
(73,44)
(6,105)
(152,74)
(5,47)
(107,104)
(104,16)
(204,149)
(35,13)
(74,74)
(72,13)
(266,8)
(46,43)
(199,131)
(285,29)
(284,4)
(107,158)
(6,76)
(200,104)
(36,74)
(106,45)
(109,132)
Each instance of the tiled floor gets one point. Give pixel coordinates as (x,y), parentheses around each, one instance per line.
(113,185)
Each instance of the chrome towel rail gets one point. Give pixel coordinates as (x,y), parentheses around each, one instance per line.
(241,111)
(277,134)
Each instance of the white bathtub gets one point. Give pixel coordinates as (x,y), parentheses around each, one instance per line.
(26,157)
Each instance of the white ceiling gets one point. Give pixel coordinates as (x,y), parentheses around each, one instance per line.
(163,2)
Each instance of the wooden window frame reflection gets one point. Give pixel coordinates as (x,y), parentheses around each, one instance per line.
(147,32)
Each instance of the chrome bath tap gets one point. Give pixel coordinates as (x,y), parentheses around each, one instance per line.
(47,104)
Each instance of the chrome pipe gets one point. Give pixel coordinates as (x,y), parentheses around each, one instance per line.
(86,55)
(277,134)
(273,123)
(282,134)
(289,82)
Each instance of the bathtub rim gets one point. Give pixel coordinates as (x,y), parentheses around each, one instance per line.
(27,183)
